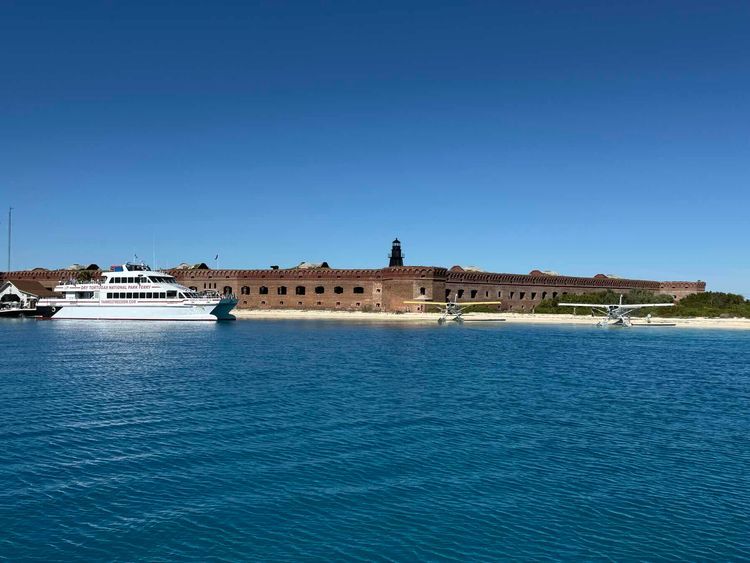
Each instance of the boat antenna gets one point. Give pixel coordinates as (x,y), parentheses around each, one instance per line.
(10,232)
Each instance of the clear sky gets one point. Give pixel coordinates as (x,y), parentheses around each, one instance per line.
(581,137)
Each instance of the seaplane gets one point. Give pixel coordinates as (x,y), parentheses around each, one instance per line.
(617,314)
(452,310)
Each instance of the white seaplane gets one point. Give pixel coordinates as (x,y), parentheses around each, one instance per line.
(453,310)
(617,314)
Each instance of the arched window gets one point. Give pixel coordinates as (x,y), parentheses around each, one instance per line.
(227,290)
(281,290)
(423,291)
(299,290)
(359,289)
(320,289)
(245,290)
(473,293)
(460,293)
(338,289)
(263,290)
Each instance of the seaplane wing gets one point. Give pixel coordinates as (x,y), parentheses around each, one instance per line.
(625,307)
(463,305)
(641,305)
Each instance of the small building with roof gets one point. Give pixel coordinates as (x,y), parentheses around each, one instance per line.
(22,294)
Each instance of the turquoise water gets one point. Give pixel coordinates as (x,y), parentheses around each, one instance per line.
(303,440)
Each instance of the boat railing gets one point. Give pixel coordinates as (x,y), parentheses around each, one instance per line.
(76,283)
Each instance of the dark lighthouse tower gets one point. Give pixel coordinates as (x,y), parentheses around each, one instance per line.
(397,259)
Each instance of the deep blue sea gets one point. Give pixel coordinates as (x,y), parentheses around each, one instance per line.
(303,440)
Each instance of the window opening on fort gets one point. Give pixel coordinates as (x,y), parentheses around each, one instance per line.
(359,289)
(473,293)
(460,293)
(263,290)
(447,293)
(300,290)
(533,295)
(245,290)
(281,290)
(227,290)
(512,293)
(521,294)
(338,289)
(423,291)
(320,289)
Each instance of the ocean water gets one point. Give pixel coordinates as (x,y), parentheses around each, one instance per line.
(288,441)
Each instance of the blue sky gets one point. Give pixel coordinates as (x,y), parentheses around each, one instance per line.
(581,137)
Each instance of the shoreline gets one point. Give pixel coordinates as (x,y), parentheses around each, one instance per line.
(517,318)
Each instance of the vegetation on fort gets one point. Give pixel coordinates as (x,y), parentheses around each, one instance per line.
(707,304)
(84,276)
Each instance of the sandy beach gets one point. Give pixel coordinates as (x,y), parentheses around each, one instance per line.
(428,318)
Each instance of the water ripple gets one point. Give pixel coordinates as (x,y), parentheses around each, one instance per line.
(286,441)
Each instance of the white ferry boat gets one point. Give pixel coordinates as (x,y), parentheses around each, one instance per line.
(134,292)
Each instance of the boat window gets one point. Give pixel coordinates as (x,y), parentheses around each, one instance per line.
(128,295)
(162,295)
(171,294)
(109,296)
(143,295)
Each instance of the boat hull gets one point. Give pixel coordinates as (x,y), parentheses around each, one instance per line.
(156,312)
